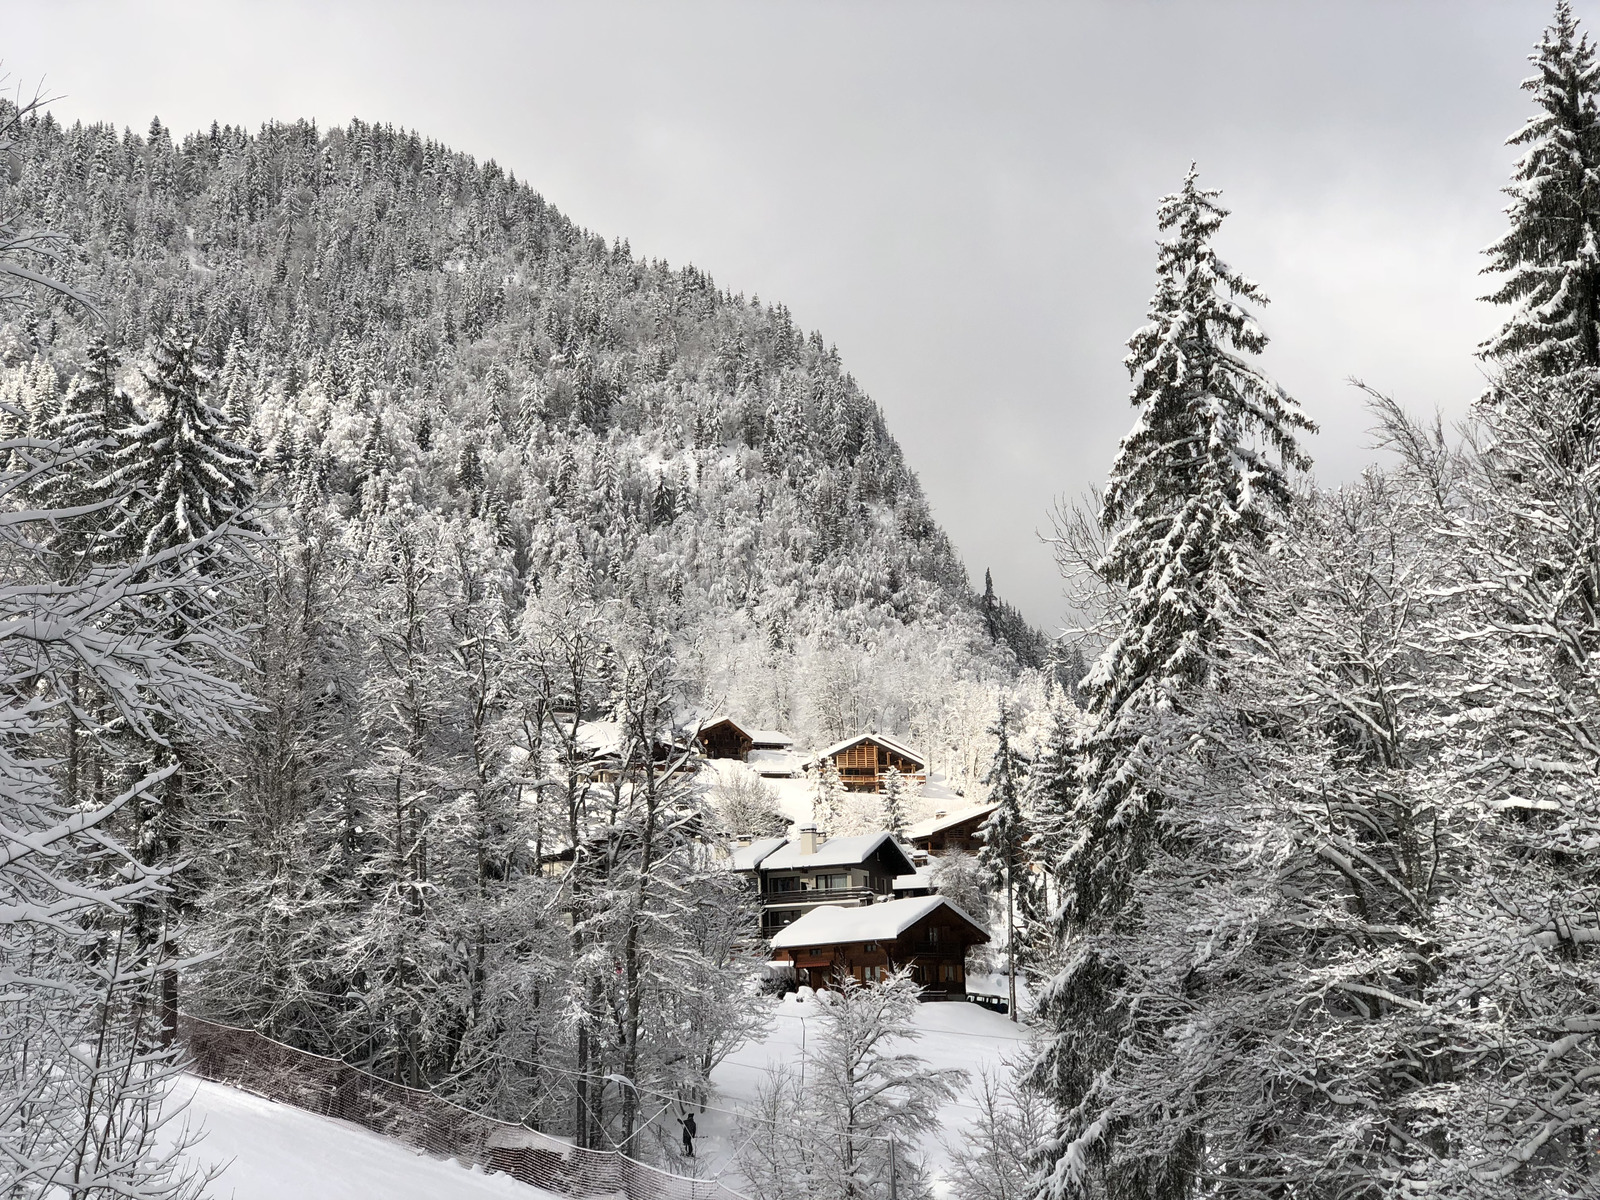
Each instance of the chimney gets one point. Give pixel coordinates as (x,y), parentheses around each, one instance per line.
(808,839)
(938,815)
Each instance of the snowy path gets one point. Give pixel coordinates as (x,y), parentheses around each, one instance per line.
(275,1152)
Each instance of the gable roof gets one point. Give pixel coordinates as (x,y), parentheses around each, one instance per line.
(888,743)
(834,924)
(922,877)
(706,726)
(770,737)
(748,858)
(835,852)
(933,825)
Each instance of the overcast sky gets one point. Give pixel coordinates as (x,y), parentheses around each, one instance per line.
(960,196)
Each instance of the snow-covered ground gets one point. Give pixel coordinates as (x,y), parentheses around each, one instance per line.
(954,1034)
(274,1152)
(795,795)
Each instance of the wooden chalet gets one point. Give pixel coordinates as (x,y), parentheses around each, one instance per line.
(810,872)
(863,761)
(950,833)
(927,933)
(725,738)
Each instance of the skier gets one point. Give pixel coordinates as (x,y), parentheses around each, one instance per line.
(688,1136)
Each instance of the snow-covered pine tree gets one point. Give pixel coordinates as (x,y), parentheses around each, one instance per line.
(278,877)
(1550,256)
(1197,486)
(1005,834)
(895,791)
(186,496)
(185,475)
(83,429)
(827,797)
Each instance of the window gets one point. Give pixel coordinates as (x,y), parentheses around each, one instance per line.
(933,935)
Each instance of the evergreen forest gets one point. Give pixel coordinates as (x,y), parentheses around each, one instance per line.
(376,540)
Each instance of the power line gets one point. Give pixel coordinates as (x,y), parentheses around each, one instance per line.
(988,1037)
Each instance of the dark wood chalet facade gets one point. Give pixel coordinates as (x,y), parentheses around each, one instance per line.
(928,934)
(949,833)
(810,872)
(863,761)
(725,738)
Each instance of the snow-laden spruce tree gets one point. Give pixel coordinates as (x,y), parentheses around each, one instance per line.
(92,409)
(1550,256)
(827,798)
(184,473)
(1197,487)
(895,794)
(1005,834)
(187,493)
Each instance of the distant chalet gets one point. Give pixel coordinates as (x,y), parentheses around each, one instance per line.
(797,877)
(862,762)
(724,738)
(768,752)
(928,934)
(949,833)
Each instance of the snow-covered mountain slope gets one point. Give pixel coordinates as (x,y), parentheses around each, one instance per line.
(271,1151)
(398,321)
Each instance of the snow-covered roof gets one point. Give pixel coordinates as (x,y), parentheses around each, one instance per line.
(835,852)
(934,824)
(833,924)
(922,877)
(770,737)
(607,739)
(600,737)
(773,762)
(883,740)
(748,858)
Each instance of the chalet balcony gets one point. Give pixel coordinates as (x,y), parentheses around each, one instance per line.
(797,898)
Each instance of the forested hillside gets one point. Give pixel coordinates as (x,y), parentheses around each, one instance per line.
(404,486)
(397,324)
(362,564)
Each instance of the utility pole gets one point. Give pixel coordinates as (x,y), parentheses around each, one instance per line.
(894,1172)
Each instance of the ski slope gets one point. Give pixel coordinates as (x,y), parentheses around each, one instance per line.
(270,1151)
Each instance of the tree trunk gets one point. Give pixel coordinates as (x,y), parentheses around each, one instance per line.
(1011,941)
